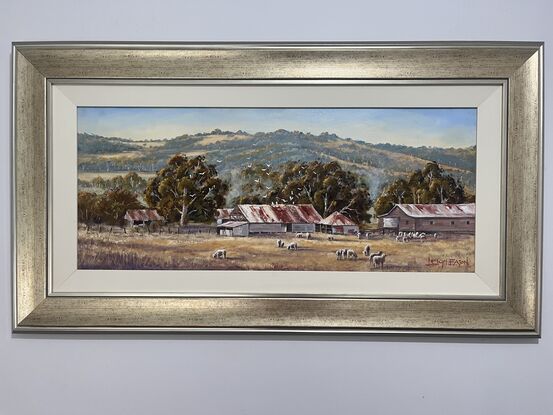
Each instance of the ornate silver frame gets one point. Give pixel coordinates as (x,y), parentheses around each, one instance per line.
(519,64)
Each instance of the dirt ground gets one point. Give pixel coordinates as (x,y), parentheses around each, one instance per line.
(186,252)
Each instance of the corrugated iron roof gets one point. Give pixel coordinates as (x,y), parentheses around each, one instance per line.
(231,224)
(337,219)
(142,215)
(447,210)
(279,213)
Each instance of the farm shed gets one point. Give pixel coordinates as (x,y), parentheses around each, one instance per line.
(142,217)
(233,228)
(277,218)
(338,223)
(459,218)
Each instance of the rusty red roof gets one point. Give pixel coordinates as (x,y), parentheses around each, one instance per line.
(446,210)
(278,213)
(337,219)
(142,215)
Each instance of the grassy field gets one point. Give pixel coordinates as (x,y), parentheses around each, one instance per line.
(189,252)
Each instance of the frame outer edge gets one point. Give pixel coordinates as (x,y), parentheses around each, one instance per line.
(29,275)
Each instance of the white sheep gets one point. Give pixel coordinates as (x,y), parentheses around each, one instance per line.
(292,246)
(378,261)
(331,238)
(339,254)
(220,254)
(374,254)
(351,254)
(367,250)
(435,236)
(280,243)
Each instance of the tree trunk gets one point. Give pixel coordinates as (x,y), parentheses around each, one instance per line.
(184,214)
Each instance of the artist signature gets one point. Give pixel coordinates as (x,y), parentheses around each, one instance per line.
(447,262)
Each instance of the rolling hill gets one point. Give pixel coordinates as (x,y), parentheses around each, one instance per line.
(231,151)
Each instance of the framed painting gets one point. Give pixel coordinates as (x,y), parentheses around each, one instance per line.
(311,188)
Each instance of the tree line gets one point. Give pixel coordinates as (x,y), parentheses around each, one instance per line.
(190,189)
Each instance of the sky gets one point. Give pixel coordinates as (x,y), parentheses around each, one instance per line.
(441,127)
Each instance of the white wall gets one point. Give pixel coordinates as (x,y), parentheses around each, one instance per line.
(65,374)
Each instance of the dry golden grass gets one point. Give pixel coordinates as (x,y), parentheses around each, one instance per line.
(170,251)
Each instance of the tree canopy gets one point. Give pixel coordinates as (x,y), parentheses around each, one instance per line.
(108,208)
(186,189)
(326,186)
(429,185)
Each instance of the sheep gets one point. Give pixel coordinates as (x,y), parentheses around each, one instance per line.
(400,233)
(374,254)
(378,261)
(339,254)
(331,238)
(292,246)
(399,237)
(367,250)
(299,235)
(435,236)
(307,235)
(220,254)
(350,253)
(280,243)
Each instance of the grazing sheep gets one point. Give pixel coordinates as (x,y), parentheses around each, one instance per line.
(399,237)
(280,243)
(378,261)
(435,236)
(293,246)
(339,254)
(351,254)
(400,233)
(307,235)
(374,254)
(219,254)
(331,238)
(367,250)
(299,235)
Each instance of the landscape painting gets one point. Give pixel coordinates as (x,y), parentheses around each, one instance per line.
(277,189)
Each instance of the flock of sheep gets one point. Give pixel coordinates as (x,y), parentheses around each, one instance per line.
(376,258)
(407,236)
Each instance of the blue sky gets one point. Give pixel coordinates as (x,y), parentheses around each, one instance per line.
(444,127)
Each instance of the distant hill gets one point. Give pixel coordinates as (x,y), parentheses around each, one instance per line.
(231,151)
(463,158)
(95,144)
